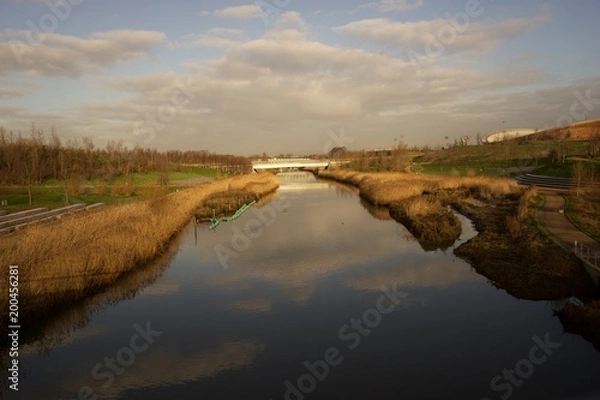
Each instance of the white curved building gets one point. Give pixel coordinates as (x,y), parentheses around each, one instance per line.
(505,134)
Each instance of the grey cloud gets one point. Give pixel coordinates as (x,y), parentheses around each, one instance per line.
(145,83)
(6,92)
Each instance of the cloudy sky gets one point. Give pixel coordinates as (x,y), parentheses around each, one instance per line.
(292,76)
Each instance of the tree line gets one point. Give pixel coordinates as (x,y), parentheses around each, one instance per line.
(39,157)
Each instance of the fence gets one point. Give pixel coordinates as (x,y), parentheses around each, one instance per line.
(587,254)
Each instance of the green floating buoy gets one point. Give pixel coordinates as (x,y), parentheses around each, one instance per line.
(214,223)
(239,212)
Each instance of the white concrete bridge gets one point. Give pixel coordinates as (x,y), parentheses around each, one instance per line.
(290,163)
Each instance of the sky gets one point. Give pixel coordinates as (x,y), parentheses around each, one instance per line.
(291,76)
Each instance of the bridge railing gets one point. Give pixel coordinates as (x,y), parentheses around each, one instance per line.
(587,254)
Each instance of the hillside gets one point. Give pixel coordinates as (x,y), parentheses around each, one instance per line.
(585,130)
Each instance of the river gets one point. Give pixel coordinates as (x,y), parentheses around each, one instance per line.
(309,295)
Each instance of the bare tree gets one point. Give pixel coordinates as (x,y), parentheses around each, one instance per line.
(399,157)
(30,159)
(578,176)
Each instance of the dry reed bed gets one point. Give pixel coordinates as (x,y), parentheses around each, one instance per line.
(418,201)
(82,253)
(388,187)
(429,221)
(509,249)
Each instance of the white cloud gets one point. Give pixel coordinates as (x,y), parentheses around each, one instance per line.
(394,5)
(244,12)
(63,55)
(215,37)
(439,34)
(263,87)
(290,19)
(289,86)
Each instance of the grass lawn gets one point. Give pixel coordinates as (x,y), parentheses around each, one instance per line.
(493,160)
(489,167)
(565,170)
(174,176)
(52,194)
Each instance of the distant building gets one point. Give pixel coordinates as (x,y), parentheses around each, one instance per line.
(507,134)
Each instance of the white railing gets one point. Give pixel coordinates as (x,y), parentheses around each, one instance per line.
(587,254)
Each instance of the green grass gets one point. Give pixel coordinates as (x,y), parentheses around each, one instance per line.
(53,197)
(563,170)
(498,152)
(560,170)
(52,194)
(493,168)
(186,173)
(153,178)
(491,160)
(576,213)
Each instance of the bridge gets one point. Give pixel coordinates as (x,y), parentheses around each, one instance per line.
(290,163)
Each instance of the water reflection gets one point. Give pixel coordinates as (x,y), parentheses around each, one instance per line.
(65,326)
(170,364)
(377,212)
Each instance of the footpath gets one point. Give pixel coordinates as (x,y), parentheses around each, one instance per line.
(554,220)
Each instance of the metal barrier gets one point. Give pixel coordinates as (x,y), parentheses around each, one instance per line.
(587,254)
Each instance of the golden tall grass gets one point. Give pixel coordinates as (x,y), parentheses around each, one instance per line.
(519,220)
(432,224)
(418,201)
(69,258)
(389,187)
(421,206)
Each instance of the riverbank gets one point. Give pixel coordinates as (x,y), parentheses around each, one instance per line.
(420,202)
(69,259)
(509,250)
(516,256)
(430,222)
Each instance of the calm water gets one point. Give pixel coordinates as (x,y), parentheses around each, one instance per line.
(292,304)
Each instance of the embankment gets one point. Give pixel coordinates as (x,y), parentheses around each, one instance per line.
(515,256)
(419,202)
(509,250)
(66,260)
